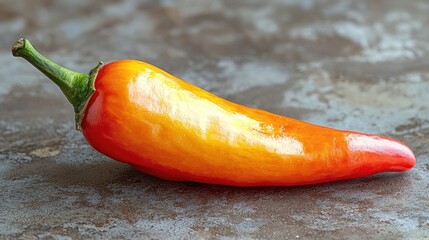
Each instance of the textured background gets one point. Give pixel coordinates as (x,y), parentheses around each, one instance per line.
(359,65)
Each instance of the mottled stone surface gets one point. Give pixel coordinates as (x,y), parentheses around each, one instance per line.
(359,65)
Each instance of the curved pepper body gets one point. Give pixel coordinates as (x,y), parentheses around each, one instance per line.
(174,130)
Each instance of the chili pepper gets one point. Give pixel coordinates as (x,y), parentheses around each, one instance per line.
(137,113)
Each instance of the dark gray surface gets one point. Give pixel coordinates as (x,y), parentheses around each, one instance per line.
(359,65)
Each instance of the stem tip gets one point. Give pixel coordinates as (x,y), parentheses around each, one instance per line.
(18,45)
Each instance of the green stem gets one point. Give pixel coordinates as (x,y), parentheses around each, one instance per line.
(77,87)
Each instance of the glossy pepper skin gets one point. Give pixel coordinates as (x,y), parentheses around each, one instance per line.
(166,127)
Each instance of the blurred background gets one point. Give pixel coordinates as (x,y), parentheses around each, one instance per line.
(358,65)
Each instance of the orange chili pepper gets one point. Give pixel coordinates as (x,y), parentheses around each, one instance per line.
(136,113)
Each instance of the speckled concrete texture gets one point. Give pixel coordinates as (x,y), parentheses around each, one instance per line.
(358,65)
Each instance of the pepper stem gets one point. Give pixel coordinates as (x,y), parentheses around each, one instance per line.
(77,87)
